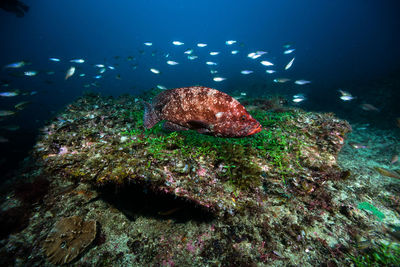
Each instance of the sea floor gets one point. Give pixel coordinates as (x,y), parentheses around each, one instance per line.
(136,227)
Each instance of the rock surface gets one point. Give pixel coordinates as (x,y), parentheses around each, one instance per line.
(185,199)
(101,141)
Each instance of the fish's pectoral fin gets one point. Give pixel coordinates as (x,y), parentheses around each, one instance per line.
(198,124)
(203,131)
(173,127)
(201,127)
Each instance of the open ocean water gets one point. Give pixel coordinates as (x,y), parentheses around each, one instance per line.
(199,133)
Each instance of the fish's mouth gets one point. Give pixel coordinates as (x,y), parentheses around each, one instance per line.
(256,130)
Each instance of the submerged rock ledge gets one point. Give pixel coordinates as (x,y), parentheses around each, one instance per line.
(101,141)
(159,198)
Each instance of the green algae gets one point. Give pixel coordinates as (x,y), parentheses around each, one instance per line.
(236,155)
(379,255)
(241,170)
(371,208)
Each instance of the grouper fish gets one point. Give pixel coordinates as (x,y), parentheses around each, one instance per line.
(206,110)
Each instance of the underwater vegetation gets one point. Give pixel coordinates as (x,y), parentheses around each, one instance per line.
(152,197)
(369,207)
(381,255)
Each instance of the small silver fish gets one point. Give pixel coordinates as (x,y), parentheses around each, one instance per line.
(30,73)
(289,65)
(69,72)
(298,98)
(219,79)
(9,94)
(357,145)
(22,105)
(155,71)
(259,52)
(177,43)
(16,65)
(161,87)
(5,113)
(266,63)
(369,107)
(230,42)
(343,92)
(172,63)
(347,97)
(281,80)
(302,82)
(77,60)
(245,72)
(253,55)
(289,51)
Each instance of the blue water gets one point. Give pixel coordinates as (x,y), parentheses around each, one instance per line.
(352,45)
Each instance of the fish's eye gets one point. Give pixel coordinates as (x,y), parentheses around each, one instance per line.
(243,117)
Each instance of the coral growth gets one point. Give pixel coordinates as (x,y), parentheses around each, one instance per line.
(69,237)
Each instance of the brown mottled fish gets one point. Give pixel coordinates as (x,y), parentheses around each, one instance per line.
(206,110)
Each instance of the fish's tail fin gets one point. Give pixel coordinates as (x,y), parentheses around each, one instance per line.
(150,117)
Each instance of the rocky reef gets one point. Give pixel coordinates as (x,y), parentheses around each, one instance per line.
(181,198)
(101,143)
